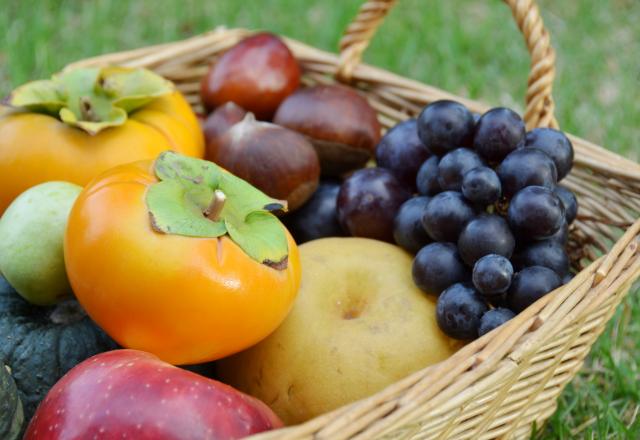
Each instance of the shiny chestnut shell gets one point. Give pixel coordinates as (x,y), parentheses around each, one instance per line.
(341,124)
(217,124)
(258,73)
(279,162)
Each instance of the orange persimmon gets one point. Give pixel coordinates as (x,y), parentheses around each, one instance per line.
(163,263)
(85,121)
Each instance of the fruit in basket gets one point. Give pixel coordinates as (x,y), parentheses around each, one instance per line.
(492,275)
(258,73)
(529,285)
(554,143)
(279,162)
(358,325)
(318,217)
(459,311)
(484,235)
(190,243)
(85,121)
(453,166)
(444,126)
(438,266)
(494,206)
(218,123)
(494,318)
(31,248)
(11,415)
(526,167)
(446,215)
(562,236)
(498,132)
(569,202)
(547,253)
(40,344)
(535,213)
(408,230)
(402,152)
(368,201)
(427,177)
(133,394)
(481,185)
(340,123)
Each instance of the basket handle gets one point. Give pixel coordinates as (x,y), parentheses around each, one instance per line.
(539,101)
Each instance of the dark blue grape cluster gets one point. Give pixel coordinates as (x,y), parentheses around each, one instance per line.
(489,223)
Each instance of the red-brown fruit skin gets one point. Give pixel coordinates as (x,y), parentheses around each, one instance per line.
(130,394)
(217,124)
(257,74)
(342,125)
(279,162)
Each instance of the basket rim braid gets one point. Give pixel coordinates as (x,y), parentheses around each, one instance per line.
(501,384)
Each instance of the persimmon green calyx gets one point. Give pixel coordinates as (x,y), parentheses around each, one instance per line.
(92,98)
(197,198)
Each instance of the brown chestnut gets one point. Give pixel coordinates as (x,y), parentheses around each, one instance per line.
(340,123)
(258,73)
(217,124)
(278,161)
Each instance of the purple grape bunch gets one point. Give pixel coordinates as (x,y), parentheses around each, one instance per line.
(489,222)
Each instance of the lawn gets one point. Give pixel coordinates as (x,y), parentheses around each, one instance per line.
(468,47)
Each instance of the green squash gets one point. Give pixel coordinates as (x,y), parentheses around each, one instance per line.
(11,416)
(40,344)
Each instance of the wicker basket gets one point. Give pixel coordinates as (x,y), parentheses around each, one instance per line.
(499,385)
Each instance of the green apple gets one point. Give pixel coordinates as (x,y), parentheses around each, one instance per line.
(31,242)
(358,325)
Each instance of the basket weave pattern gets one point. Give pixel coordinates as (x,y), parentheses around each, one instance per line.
(499,385)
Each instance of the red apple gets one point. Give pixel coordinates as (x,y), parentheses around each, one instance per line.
(130,394)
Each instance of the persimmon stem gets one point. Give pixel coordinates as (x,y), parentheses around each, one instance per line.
(87,110)
(216,205)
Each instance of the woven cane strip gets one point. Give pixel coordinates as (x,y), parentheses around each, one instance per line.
(539,101)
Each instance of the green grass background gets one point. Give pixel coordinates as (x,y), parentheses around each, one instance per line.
(469,47)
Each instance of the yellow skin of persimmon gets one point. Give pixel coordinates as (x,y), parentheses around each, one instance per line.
(37,148)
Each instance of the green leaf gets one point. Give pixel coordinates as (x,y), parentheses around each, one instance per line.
(180,202)
(44,96)
(92,98)
(78,82)
(170,165)
(105,117)
(132,89)
(246,198)
(261,237)
(176,209)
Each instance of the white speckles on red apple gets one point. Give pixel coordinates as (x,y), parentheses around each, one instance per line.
(147,399)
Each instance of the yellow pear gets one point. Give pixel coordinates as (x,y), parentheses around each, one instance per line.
(358,325)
